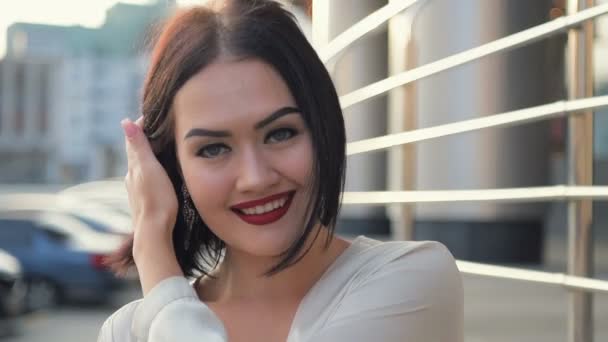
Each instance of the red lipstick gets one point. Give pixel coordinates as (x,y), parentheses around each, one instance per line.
(265,218)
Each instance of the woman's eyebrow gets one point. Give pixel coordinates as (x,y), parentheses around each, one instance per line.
(265,122)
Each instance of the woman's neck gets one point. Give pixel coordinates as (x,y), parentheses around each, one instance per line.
(240,277)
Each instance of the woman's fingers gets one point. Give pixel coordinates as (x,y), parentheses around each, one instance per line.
(136,143)
(148,184)
(140,121)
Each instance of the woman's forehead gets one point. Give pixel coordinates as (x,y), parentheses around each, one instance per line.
(230,88)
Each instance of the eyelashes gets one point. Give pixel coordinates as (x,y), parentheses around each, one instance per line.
(281,134)
(274,137)
(211,151)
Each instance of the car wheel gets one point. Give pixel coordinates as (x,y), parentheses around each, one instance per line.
(41,294)
(15,303)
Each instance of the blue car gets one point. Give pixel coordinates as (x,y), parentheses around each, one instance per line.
(62,258)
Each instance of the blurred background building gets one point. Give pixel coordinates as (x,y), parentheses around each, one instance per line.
(65,89)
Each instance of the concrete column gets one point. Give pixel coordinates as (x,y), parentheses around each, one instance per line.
(401,165)
(491,158)
(362,64)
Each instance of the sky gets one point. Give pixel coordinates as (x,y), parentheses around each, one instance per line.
(88,13)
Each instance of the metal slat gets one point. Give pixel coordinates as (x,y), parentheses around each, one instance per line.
(520,195)
(503,44)
(546,278)
(362,28)
(498,120)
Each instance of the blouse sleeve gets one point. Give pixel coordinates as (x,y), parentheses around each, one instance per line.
(171,311)
(415,297)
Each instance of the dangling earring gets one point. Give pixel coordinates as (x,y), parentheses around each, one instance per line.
(189,214)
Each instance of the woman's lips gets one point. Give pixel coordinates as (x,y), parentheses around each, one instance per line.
(268,217)
(262,201)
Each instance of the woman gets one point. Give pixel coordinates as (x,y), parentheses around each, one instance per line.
(235,174)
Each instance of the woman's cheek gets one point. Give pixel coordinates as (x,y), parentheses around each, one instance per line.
(207,186)
(208,183)
(299,160)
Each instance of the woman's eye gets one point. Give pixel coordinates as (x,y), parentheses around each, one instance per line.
(212,151)
(281,134)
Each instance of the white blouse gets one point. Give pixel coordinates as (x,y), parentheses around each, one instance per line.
(374,291)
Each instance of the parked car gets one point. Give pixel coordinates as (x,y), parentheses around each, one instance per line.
(12,293)
(109,192)
(62,257)
(98,216)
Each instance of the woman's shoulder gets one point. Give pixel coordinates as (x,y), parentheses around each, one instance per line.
(117,327)
(422,268)
(370,255)
(370,264)
(396,288)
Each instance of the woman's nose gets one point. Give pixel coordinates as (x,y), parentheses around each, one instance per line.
(255,174)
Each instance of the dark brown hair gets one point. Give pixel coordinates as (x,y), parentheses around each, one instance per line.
(259,29)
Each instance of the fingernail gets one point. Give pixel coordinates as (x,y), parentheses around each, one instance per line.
(139,120)
(129,128)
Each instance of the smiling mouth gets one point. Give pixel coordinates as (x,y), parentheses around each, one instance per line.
(266,213)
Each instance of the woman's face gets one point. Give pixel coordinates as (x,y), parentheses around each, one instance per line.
(245,154)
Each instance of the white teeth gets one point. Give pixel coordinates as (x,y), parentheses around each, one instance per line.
(270,206)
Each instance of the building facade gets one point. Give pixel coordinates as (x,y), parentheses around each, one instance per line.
(63,92)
